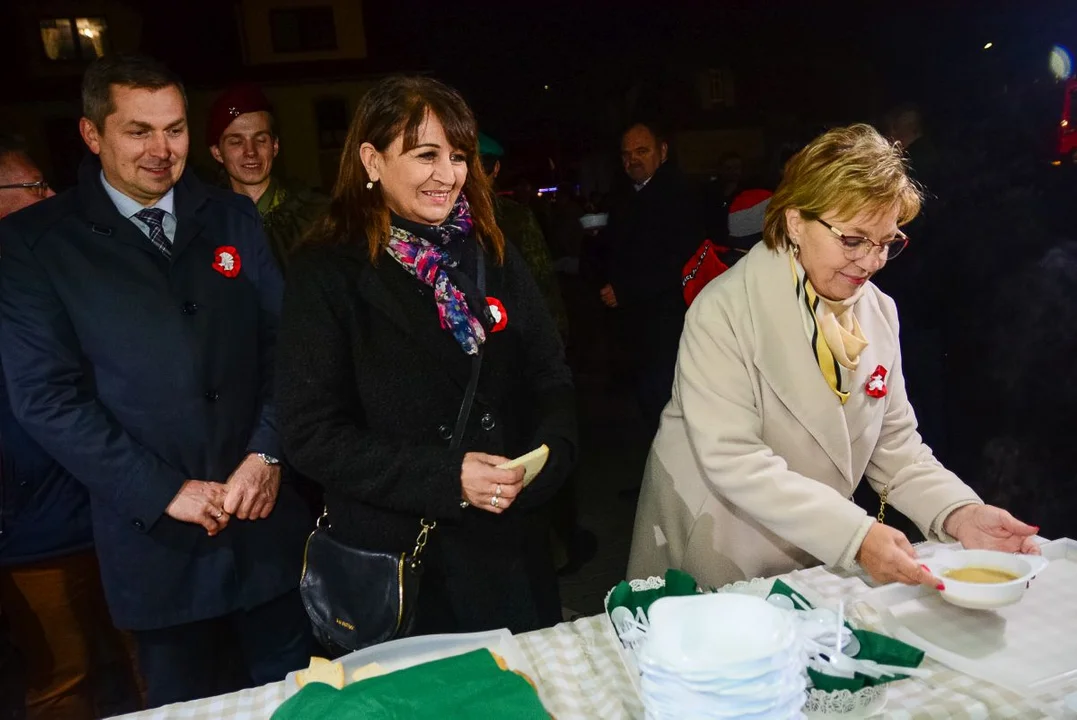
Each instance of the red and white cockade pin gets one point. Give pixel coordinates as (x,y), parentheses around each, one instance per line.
(497,312)
(876,386)
(226,261)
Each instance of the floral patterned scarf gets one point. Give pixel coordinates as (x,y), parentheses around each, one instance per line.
(427,259)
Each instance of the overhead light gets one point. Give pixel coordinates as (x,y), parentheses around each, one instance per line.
(545,87)
(1056,163)
(1060,63)
(1065,123)
(989,45)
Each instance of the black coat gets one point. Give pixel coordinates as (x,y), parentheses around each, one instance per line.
(44,510)
(368,389)
(137,373)
(651,234)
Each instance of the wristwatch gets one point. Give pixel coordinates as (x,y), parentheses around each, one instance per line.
(269,459)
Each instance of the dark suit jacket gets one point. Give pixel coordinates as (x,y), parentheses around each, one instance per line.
(651,234)
(137,373)
(369,388)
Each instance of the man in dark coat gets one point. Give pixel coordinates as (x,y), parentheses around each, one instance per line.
(139,314)
(654,228)
(243,138)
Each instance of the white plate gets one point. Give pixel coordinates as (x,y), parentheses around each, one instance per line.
(412,651)
(716,631)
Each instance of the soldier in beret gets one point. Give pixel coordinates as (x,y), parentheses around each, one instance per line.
(242,137)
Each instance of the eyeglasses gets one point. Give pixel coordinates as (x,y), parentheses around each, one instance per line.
(857,248)
(40,187)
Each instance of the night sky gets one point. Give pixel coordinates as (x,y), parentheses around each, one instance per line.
(794,62)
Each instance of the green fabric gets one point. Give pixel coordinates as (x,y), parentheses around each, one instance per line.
(677,584)
(457,688)
(489,146)
(289,213)
(521,228)
(268,199)
(873,646)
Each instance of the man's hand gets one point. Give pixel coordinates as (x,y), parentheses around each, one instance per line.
(201,503)
(609,299)
(252,489)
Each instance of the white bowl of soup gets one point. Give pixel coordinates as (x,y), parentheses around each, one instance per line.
(984,579)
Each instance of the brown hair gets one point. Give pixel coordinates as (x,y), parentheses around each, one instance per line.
(133,71)
(847,170)
(399,105)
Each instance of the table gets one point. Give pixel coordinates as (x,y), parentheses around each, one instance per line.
(580,674)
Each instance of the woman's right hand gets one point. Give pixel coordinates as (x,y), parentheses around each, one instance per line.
(888,556)
(480,480)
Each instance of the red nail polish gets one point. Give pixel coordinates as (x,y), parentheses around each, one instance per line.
(925,568)
(940,586)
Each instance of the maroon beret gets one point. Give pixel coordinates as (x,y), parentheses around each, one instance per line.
(232,103)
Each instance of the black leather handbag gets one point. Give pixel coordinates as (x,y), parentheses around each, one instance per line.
(357,598)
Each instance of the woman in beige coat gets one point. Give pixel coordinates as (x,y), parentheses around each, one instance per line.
(789,391)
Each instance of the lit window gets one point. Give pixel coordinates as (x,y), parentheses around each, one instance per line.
(74,39)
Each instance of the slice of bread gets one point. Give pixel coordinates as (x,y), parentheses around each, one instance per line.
(532,463)
(323,671)
(368,671)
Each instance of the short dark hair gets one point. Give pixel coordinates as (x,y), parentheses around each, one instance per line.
(133,71)
(650,125)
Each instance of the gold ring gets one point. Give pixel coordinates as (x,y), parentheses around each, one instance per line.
(219,515)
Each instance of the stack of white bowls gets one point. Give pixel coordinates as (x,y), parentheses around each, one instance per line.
(721,656)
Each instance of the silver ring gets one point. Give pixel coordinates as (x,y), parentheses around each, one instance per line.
(493,500)
(497,490)
(464,504)
(219,515)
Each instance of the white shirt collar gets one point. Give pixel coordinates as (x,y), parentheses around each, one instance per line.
(128,206)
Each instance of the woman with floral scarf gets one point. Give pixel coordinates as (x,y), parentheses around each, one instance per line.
(383,318)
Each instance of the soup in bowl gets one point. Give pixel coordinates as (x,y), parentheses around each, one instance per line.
(984,579)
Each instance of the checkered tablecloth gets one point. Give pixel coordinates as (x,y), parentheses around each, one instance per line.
(581,676)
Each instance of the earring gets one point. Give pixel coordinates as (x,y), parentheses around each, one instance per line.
(370,185)
(796,249)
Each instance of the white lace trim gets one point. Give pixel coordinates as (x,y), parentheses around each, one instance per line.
(843,702)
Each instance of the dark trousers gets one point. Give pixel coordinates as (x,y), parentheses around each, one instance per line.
(651,339)
(187,662)
(12,676)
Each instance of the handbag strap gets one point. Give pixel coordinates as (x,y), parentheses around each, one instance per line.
(465,407)
(476,366)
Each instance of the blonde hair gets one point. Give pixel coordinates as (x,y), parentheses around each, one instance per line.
(847,170)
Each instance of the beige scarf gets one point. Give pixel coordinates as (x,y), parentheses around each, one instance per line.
(832,329)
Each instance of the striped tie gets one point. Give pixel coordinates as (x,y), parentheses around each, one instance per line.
(153,218)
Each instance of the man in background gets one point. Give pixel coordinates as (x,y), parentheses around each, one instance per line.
(243,138)
(521,228)
(654,227)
